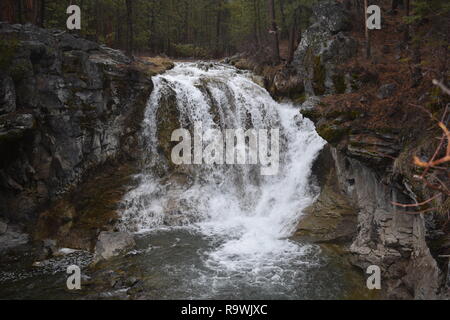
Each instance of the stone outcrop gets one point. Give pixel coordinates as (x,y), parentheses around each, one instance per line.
(111,244)
(67,105)
(315,69)
(324,46)
(397,240)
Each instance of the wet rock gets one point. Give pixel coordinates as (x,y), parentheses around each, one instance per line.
(137,290)
(259,80)
(111,244)
(71,42)
(3,227)
(7,95)
(385,237)
(168,117)
(46,249)
(13,237)
(287,83)
(331,218)
(67,106)
(310,103)
(387,90)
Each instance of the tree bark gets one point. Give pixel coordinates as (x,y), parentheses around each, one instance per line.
(407,9)
(8,11)
(41,20)
(218,26)
(293,34)
(129,50)
(284,31)
(368,44)
(274,33)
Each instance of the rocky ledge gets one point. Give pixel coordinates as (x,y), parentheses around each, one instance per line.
(367,166)
(68,106)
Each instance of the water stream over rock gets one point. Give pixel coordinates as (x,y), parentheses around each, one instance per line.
(221,231)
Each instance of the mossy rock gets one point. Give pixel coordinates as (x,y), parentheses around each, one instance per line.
(76,219)
(168,121)
(311,114)
(299,98)
(339,84)
(20,69)
(332,133)
(347,115)
(8,49)
(319,76)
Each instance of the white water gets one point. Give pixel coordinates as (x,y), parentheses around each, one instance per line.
(248,217)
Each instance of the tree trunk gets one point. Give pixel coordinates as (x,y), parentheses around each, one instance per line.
(8,11)
(119,29)
(41,20)
(407,8)
(368,45)
(19,11)
(293,37)
(130,35)
(274,33)
(31,11)
(284,31)
(218,28)
(396,4)
(256,25)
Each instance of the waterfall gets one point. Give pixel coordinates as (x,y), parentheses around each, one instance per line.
(249,216)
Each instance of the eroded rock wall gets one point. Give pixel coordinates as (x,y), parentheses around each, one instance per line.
(67,105)
(386,235)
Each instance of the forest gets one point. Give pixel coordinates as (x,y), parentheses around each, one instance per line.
(201,28)
(179,28)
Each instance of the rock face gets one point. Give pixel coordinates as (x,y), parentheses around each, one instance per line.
(323,47)
(3,227)
(384,235)
(67,105)
(315,69)
(332,218)
(111,244)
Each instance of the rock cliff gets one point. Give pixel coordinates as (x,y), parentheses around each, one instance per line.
(369,167)
(67,106)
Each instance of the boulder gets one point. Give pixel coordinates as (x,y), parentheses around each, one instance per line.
(111,244)
(324,46)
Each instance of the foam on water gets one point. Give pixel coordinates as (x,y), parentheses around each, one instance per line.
(249,217)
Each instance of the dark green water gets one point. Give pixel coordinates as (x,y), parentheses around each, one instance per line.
(175,264)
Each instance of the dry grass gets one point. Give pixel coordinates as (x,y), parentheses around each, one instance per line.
(154,65)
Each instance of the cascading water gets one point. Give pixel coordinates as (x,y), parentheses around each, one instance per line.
(208,231)
(243,218)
